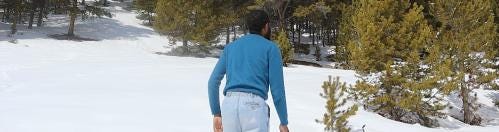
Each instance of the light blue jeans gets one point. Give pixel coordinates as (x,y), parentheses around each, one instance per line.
(244,112)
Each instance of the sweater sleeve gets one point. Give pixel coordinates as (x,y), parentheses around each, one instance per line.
(214,84)
(277,84)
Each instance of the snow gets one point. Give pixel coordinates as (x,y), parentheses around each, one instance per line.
(118,84)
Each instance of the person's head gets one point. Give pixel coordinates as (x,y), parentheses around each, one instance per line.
(257,22)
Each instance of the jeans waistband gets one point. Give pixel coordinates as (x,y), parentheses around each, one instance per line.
(229,94)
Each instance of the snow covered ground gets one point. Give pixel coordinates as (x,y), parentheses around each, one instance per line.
(118,84)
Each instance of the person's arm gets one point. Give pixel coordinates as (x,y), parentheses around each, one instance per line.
(277,84)
(214,84)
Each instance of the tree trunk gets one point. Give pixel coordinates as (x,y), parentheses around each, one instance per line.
(234,31)
(316,44)
(4,8)
(185,47)
(13,28)
(281,6)
(227,37)
(41,13)
(319,34)
(150,17)
(293,30)
(299,33)
(19,15)
(72,14)
(32,15)
(312,34)
(467,116)
(15,13)
(7,14)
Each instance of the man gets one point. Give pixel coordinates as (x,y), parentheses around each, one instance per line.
(252,64)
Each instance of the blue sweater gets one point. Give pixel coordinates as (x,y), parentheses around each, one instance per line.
(252,64)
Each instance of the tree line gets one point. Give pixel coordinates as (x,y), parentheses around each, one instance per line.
(27,12)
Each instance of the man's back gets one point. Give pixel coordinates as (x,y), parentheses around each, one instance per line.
(248,65)
(251,64)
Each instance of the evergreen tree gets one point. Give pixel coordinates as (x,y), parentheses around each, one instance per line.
(385,45)
(4,7)
(335,118)
(465,41)
(316,13)
(73,11)
(17,9)
(74,8)
(32,10)
(146,9)
(496,9)
(282,41)
(41,4)
(229,12)
(346,33)
(186,21)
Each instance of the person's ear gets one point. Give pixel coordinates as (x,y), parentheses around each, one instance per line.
(267,32)
(267,27)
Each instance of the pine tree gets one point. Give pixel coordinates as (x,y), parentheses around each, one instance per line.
(146,9)
(32,10)
(229,12)
(496,9)
(4,6)
(187,21)
(15,13)
(18,5)
(93,9)
(386,41)
(335,118)
(316,12)
(282,41)
(73,7)
(73,11)
(41,13)
(346,33)
(465,40)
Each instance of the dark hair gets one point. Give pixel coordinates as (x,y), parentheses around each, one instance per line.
(256,20)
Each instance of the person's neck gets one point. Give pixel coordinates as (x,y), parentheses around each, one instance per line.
(259,34)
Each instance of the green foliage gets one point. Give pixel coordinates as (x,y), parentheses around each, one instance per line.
(88,9)
(16,13)
(335,118)
(407,66)
(285,46)
(95,10)
(386,42)
(187,21)
(146,8)
(467,42)
(320,19)
(346,33)
(318,9)
(257,5)
(496,13)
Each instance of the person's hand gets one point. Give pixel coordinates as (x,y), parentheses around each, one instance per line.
(217,123)
(283,128)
